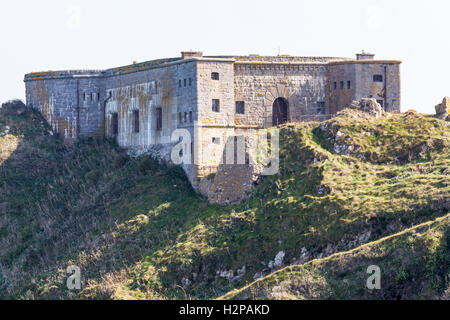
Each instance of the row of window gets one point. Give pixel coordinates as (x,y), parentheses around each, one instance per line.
(184,118)
(188,81)
(136,121)
(181,117)
(376,78)
(185,82)
(239,106)
(342,84)
(91,96)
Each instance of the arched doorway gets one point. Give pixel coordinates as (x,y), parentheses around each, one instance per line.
(279,111)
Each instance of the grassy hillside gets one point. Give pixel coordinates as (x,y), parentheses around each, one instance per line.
(138,231)
(414,264)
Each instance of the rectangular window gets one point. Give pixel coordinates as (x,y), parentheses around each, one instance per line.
(115,124)
(84,96)
(216,140)
(179,117)
(349,84)
(185,117)
(98,96)
(240,107)
(335,85)
(321,107)
(190,82)
(136,121)
(179,83)
(158,118)
(377,78)
(216,105)
(185,82)
(215,76)
(191,118)
(342,85)
(92,96)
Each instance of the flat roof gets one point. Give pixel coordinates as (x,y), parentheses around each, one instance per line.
(252,59)
(366,62)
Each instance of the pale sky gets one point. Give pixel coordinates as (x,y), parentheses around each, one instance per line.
(97,34)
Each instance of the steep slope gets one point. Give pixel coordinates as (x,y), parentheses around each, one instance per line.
(137,230)
(414,264)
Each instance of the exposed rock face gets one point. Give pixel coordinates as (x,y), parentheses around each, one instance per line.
(370,106)
(232,183)
(443,109)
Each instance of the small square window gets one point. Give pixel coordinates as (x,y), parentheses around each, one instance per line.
(377,78)
(215,76)
(216,140)
(240,107)
(216,105)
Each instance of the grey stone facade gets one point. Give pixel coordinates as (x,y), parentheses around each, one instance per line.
(213,98)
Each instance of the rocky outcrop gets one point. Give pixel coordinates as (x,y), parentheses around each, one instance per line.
(369,106)
(443,109)
(232,183)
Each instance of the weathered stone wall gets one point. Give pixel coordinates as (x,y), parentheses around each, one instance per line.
(171,88)
(70,101)
(339,97)
(258,85)
(213,128)
(362,84)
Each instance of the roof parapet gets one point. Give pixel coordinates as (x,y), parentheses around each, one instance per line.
(191,54)
(365,56)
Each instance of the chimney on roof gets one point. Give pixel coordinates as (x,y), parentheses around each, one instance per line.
(191,54)
(365,56)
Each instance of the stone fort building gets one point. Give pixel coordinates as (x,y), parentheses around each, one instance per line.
(212,97)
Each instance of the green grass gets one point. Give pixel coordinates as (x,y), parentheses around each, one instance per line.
(414,264)
(138,231)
